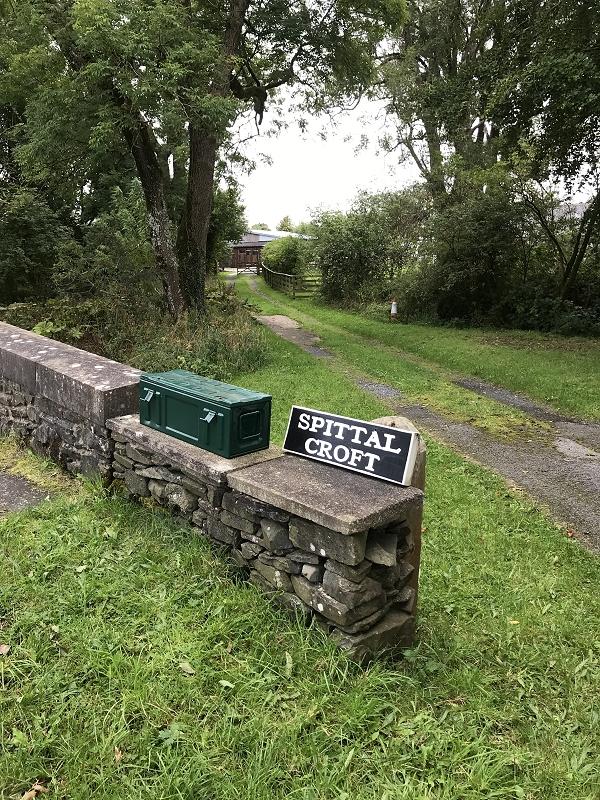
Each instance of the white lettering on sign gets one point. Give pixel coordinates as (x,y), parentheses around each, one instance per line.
(304,422)
(340,454)
(366,447)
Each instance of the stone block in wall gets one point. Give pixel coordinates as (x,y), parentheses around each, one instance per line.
(250,550)
(276,536)
(254,510)
(334,611)
(304,589)
(366,623)
(159,473)
(349,549)
(239,523)
(195,487)
(349,592)
(280,562)
(303,557)
(180,499)
(158,489)
(222,533)
(276,577)
(381,547)
(123,461)
(140,455)
(312,572)
(342,614)
(199,518)
(352,573)
(137,485)
(238,558)
(394,578)
(394,631)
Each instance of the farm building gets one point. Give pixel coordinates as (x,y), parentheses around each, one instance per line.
(246,254)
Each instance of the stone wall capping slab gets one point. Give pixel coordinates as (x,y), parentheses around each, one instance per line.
(343,501)
(191,460)
(93,387)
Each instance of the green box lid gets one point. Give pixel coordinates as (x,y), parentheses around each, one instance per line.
(183,380)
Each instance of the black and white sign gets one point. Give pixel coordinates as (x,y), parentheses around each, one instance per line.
(375,450)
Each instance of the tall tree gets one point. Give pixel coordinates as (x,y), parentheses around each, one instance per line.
(286,224)
(547,103)
(437,102)
(163,81)
(472,82)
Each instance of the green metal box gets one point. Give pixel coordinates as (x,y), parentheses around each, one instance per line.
(215,416)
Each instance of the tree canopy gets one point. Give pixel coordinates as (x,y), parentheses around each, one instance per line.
(104,89)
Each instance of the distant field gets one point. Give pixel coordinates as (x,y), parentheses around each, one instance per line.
(563,372)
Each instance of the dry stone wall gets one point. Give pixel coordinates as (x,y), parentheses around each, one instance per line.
(356,575)
(57,399)
(338,548)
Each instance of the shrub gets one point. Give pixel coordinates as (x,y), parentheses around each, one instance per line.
(228,341)
(289,255)
(32,239)
(361,253)
(350,252)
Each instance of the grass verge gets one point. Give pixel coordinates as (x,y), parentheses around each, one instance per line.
(139,667)
(560,371)
(418,381)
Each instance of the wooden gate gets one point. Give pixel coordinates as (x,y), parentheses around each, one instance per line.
(294,285)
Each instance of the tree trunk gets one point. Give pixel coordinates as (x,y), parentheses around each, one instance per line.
(193,232)
(435,180)
(151,177)
(204,144)
(584,236)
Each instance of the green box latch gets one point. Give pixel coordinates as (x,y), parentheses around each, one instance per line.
(225,419)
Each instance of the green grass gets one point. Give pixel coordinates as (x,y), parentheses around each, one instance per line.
(418,381)
(101,601)
(560,371)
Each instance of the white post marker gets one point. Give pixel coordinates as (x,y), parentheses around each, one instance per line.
(394,311)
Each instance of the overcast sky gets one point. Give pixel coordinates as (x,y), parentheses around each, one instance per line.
(308,172)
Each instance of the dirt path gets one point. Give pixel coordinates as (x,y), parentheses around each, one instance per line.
(292,331)
(561,472)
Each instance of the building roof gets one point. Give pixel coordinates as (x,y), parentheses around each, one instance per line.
(260,237)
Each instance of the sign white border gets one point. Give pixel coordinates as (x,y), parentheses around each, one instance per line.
(410,461)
